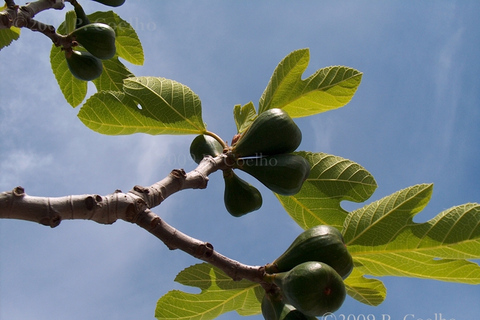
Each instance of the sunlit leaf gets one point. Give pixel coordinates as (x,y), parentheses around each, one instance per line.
(327,89)
(384,240)
(114,72)
(332,179)
(73,89)
(148,105)
(365,290)
(244,116)
(127,42)
(219,294)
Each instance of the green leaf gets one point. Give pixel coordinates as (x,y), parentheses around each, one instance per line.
(327,89)
(332,179)
(244,116)
(73,89)
(219,294)
(7,36)
(127,42)
(384,240)
(114,72)
(148,105)
(70,20)
(367,291)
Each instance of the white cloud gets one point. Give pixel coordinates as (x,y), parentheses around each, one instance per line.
(17,164)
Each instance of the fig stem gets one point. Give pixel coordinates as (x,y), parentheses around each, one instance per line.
(216,137)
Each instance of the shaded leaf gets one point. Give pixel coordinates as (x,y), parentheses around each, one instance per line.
(7,36)
(148,105)
(244,116)
(332,179)
(384,240)
(219,294)
(327,89)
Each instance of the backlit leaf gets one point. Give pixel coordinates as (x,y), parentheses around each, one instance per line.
(365,290)
(219,294)
(148,105)
(327,89)
(244,116)
(384,240)
(332,179)
(127,42)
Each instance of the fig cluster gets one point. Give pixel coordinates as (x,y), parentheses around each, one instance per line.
(310,276)
(265,151)
(97,40)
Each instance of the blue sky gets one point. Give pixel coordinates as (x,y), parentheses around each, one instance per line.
(413,120)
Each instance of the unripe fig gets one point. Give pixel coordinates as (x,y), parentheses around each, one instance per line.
(272,132)
(97,38)
(281,173)
(276,309)
(314,288)
(83,65)
(82,19)
(204,145)
(111,3)
(240,197)
(321,243)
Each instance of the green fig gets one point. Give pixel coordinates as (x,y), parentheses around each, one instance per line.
(96,38)
(111,3)
(204,145)
(314,288)
(83,65)
(321,243)
(240,197)
(82,19)
(282,173)
(272,132)
(275,309)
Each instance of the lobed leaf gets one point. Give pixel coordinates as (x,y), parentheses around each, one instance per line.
(219,294)
(327,89)
(332,179)
(244,116)
(384,240)
(368,291)
(148,105)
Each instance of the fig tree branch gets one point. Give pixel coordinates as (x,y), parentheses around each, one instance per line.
(134,207)
(22,17)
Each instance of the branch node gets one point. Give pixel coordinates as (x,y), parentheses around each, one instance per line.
(179,174)
(90,201)
(204,249)
(19,192)
(141,189)
(52,221)
(155,222)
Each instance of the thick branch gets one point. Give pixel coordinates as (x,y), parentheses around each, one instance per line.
(133,207)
